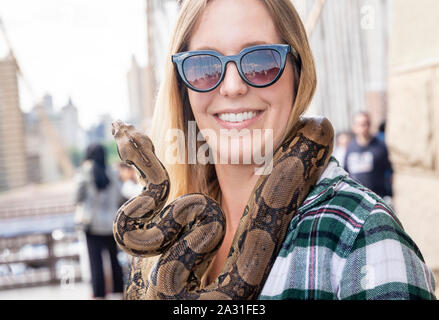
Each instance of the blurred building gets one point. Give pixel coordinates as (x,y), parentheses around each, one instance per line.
(13,162)
(43,166)
(43,163)
(413,120)
(101,132)
(33,147)
(72,134)
(349,44)
(136,93)
(48,104)
(143,81)
(163,16)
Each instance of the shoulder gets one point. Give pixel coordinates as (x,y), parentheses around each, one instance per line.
(320,237)
(86,168)
(378,144)
(333,213)
(353,145)
(84,172)
(377,141)
(345,242)
(339,209)
(350,226)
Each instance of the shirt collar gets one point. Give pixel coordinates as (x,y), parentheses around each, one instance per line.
(324,188)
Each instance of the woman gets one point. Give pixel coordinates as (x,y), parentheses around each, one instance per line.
(344,242)
(98,192)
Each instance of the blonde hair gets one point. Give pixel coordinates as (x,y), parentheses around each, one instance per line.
(172,108)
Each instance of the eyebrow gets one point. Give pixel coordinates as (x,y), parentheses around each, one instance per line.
(247,44)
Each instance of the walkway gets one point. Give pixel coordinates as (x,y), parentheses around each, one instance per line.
(75,291)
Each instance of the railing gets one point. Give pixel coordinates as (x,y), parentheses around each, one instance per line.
(39,259)
(39,210)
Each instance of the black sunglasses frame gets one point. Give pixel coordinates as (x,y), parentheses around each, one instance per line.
(282,49)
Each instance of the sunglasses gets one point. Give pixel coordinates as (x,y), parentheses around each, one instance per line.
(259,66)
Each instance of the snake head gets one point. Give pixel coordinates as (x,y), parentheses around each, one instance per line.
(133,146)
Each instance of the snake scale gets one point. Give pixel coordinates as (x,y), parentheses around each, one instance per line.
(188,232)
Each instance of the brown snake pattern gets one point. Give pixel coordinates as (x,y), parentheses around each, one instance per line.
(188,232)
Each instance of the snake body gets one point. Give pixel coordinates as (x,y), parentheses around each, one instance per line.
(188,232)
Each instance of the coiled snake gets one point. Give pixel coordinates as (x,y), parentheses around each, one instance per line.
(188,232)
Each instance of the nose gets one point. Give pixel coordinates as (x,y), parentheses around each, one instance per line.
(233,85)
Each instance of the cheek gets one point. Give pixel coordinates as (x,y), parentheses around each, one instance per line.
(282,99)
(282,92)
(287,85)
(199,103)
(283,95)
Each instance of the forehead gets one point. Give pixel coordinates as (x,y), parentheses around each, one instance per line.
(361,118)
(228,26)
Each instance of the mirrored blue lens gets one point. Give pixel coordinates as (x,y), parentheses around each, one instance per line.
(261,67)
(202,71)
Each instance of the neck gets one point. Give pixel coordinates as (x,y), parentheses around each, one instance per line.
(364,140)
(236,183)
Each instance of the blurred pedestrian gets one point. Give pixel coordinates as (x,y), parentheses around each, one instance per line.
(98,195)
(342,141)
(366,157)
(381,135)
(130,185)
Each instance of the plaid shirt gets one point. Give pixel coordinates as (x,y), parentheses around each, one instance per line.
(345,242)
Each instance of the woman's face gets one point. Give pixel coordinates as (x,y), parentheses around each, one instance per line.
(228,26)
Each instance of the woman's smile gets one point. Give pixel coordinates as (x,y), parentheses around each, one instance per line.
(238,119)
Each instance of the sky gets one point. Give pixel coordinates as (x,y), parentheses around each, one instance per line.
(76,48)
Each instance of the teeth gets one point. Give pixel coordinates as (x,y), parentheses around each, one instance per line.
(237,117)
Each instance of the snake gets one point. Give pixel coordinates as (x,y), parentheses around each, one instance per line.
(185,235)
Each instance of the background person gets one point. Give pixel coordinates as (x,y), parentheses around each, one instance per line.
(342,141)
(366,158)
(98,193)
(381,135)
